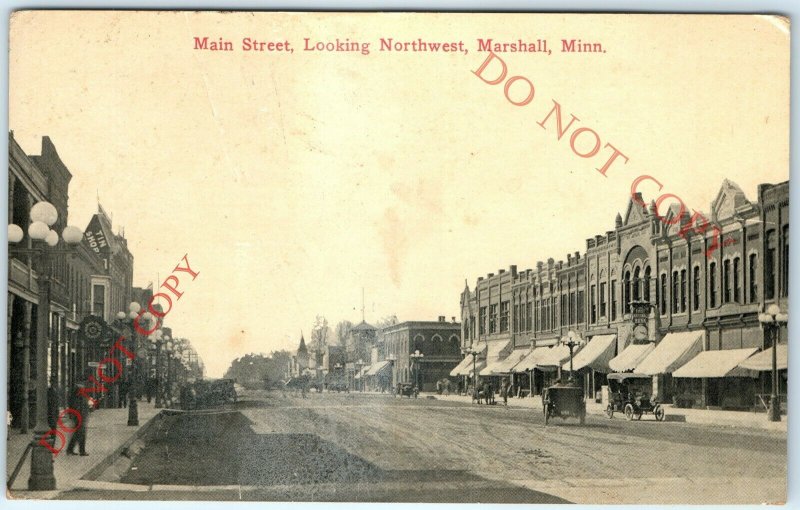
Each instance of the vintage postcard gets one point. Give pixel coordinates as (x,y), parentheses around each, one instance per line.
(398,257)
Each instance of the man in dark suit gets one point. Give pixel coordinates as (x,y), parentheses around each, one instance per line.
(81,404)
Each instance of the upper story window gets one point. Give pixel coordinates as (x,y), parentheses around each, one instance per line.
(769,266)
(696,288)
(753,277)
(712,285)
(99,300)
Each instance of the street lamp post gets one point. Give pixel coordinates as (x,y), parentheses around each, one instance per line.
(771,321)
(43,244)
(128,321)
(572,341)
(417,357)
(472,352)
(157,339)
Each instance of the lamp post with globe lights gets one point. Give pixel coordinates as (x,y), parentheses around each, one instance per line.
(474,353)
(771,320)
(572,340)
(417,357)
(157,340)
(43,244)
(127,320)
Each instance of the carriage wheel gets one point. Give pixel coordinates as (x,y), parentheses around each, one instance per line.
(628,412)
(610,411)
(659,413)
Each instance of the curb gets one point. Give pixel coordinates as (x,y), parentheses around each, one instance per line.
(100,467)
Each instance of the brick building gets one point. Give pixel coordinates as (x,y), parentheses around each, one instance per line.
(691,302)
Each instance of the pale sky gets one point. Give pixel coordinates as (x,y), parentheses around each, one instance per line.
(294,180)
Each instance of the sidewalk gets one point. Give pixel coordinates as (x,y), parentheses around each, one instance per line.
(741,419)
(108,431)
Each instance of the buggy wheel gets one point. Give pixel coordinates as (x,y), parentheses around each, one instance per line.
(659,413)
(610,411)
(629,412)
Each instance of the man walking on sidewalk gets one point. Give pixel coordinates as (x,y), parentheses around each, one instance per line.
(81,404)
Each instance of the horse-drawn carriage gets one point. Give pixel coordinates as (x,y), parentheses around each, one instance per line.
(204,394)
(629,394)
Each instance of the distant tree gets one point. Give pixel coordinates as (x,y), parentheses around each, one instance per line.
(342,332)
(320,334)
(388,320)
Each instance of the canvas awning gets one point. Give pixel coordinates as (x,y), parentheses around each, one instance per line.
(506,365)
(465,367)
(762,361)
(716,364)
(674,351)
(530,361)
(379,367)
(554,357)
(363,371)
(629,358)
(496,352)
(595,355)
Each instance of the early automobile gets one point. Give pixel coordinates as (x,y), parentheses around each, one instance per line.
(406,390)
(630,394)
(564,400)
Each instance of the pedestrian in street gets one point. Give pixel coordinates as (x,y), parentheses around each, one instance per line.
(504,389)
(81,404)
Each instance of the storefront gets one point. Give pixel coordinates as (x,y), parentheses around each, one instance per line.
(674,351)
(591,362)
(723,383)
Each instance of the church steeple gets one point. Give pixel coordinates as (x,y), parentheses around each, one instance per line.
(302,349)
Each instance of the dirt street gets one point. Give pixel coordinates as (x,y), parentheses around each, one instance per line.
(366,447)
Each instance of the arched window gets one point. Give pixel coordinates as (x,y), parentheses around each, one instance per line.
(636,285)
(662,299)
(737,285)
(647,296)
(726,281)
(675,291)
(419,341)
(683,290)
(626,289)
(712,285)
(753,277)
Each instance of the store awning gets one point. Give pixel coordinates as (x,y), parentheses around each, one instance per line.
(716,364)
(595,355)
(378,367)
(674,351)
(629,358)
(363,371)
(465,367)
(530,361)
(506,365)
(762,361)
(554,357)
(496,352)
